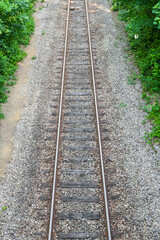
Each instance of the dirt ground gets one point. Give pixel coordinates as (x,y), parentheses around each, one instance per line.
(13,108)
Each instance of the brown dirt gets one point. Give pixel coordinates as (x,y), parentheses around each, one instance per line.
(13,108)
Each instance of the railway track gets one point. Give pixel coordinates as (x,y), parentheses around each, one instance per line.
(79,208)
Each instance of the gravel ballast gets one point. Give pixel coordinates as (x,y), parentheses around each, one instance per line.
(131,164)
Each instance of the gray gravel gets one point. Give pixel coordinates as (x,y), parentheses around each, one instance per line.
(131,164)
(31,166)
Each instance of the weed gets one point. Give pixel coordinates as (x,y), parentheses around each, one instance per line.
(123,105)
(132,79)
(34,57)
(2,115)
(114,7)
(3,209)
(119,37)
(43,32)
(144,121)
(40,8)
(116,44)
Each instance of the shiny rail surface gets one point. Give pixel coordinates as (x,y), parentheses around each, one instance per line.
(79,208)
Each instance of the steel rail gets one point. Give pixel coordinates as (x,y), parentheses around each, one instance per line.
(98,129)
(59,127)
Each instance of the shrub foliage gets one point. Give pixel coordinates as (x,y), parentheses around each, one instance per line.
(142,19)
(16,26)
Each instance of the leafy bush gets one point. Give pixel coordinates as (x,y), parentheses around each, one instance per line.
(143,28)
(16,26)
(156,11)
